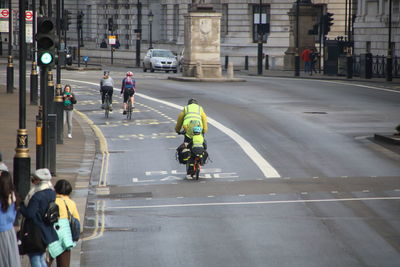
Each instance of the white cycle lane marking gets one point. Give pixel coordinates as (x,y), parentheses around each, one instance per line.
(264,166)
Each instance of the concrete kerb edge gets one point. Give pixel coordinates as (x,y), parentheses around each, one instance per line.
(83,179)
(193,79)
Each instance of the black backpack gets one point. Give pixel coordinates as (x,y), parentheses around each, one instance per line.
(52,213)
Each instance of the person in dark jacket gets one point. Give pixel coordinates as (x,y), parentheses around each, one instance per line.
(69,101)
(34,207)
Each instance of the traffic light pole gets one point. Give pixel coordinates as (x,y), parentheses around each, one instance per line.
(10,65)
(58,98)
(389,60)
(22,161)
(34,74)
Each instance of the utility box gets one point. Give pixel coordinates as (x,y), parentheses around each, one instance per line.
(366,66)
(332,53)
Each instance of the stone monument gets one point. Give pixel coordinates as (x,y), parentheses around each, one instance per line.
(202,41)
(307,18)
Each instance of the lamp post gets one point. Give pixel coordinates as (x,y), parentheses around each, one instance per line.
(150,16)
(389,55)
(22,161)
(296,55)
(260,42)
(138,32)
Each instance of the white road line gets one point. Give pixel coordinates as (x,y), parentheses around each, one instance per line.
(265,167)
(301,201)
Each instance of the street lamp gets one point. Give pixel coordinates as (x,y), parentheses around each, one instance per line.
(150,16)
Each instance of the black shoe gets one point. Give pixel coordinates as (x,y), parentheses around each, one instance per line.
(124,113)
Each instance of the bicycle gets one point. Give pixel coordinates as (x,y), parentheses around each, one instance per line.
(193,164)
(107,105)
(129,109)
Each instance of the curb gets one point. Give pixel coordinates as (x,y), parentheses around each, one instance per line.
(388,138)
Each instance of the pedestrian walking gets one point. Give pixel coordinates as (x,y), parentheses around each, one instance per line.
(33,208)
(69,101)
(313,58)
(61,249)
(9,255)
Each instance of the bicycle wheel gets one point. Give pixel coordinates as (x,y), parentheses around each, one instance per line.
(106,106)
(129,109)
(197,169)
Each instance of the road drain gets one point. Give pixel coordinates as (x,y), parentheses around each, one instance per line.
(315,112)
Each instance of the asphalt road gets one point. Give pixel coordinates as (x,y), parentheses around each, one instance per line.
(295,179)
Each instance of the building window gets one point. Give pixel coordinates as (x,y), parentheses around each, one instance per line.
(265,19)
(176,22)
(224,21)
(163,22)
(368,47)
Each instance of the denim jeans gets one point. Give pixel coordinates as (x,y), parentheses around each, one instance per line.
(37,260)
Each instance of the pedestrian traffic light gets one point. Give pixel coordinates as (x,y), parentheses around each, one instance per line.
(80,20)
(46,41)
(67,19)
(314,30)
(326,20)
(110,24)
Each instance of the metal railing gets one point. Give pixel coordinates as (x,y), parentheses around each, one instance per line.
(378,66)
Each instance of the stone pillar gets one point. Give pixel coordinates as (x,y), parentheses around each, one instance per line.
(202,43)
(307,18)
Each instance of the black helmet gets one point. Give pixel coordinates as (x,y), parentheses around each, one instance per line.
(192,101)
(106,72)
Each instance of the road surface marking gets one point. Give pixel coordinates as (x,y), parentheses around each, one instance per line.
(301,201)
(265,167)
(100,207)
(103,148)
(336,82)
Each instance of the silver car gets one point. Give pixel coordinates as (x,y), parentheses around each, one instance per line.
(160,59)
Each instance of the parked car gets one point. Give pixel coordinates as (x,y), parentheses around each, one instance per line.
(160,59)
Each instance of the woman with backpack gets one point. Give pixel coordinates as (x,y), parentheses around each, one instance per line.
(69,101)
(33,209)
(128,89)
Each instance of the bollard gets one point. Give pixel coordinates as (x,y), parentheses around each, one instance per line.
(230,70)
(266,62)
(10,75)
(246,62)
(199,70)
(226,62)
(52,119)
(39,140)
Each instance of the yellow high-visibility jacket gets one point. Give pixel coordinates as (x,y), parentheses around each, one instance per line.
(189,113)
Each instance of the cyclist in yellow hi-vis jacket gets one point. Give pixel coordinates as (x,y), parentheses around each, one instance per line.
(191,116)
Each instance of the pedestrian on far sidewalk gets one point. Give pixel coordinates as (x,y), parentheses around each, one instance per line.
(9,255)
(69,101)
(314,58)
(305,56)
(61,249)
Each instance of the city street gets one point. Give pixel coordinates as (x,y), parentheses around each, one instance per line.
(295,177)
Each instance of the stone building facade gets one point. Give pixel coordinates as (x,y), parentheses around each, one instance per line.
(371,27)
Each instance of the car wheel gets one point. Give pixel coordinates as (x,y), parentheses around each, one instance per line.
(167,71)
(144,68)
(175,71)
(151,68)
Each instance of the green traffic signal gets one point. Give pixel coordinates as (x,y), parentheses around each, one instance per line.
(45,58)
(46,41)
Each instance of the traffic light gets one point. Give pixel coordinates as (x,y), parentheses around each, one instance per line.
(80,20)
(326,22)
(46,41)
(110,24)
(67,19)
(314,30)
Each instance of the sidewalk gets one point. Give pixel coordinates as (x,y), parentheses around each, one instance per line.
(74,158)
(394,84)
